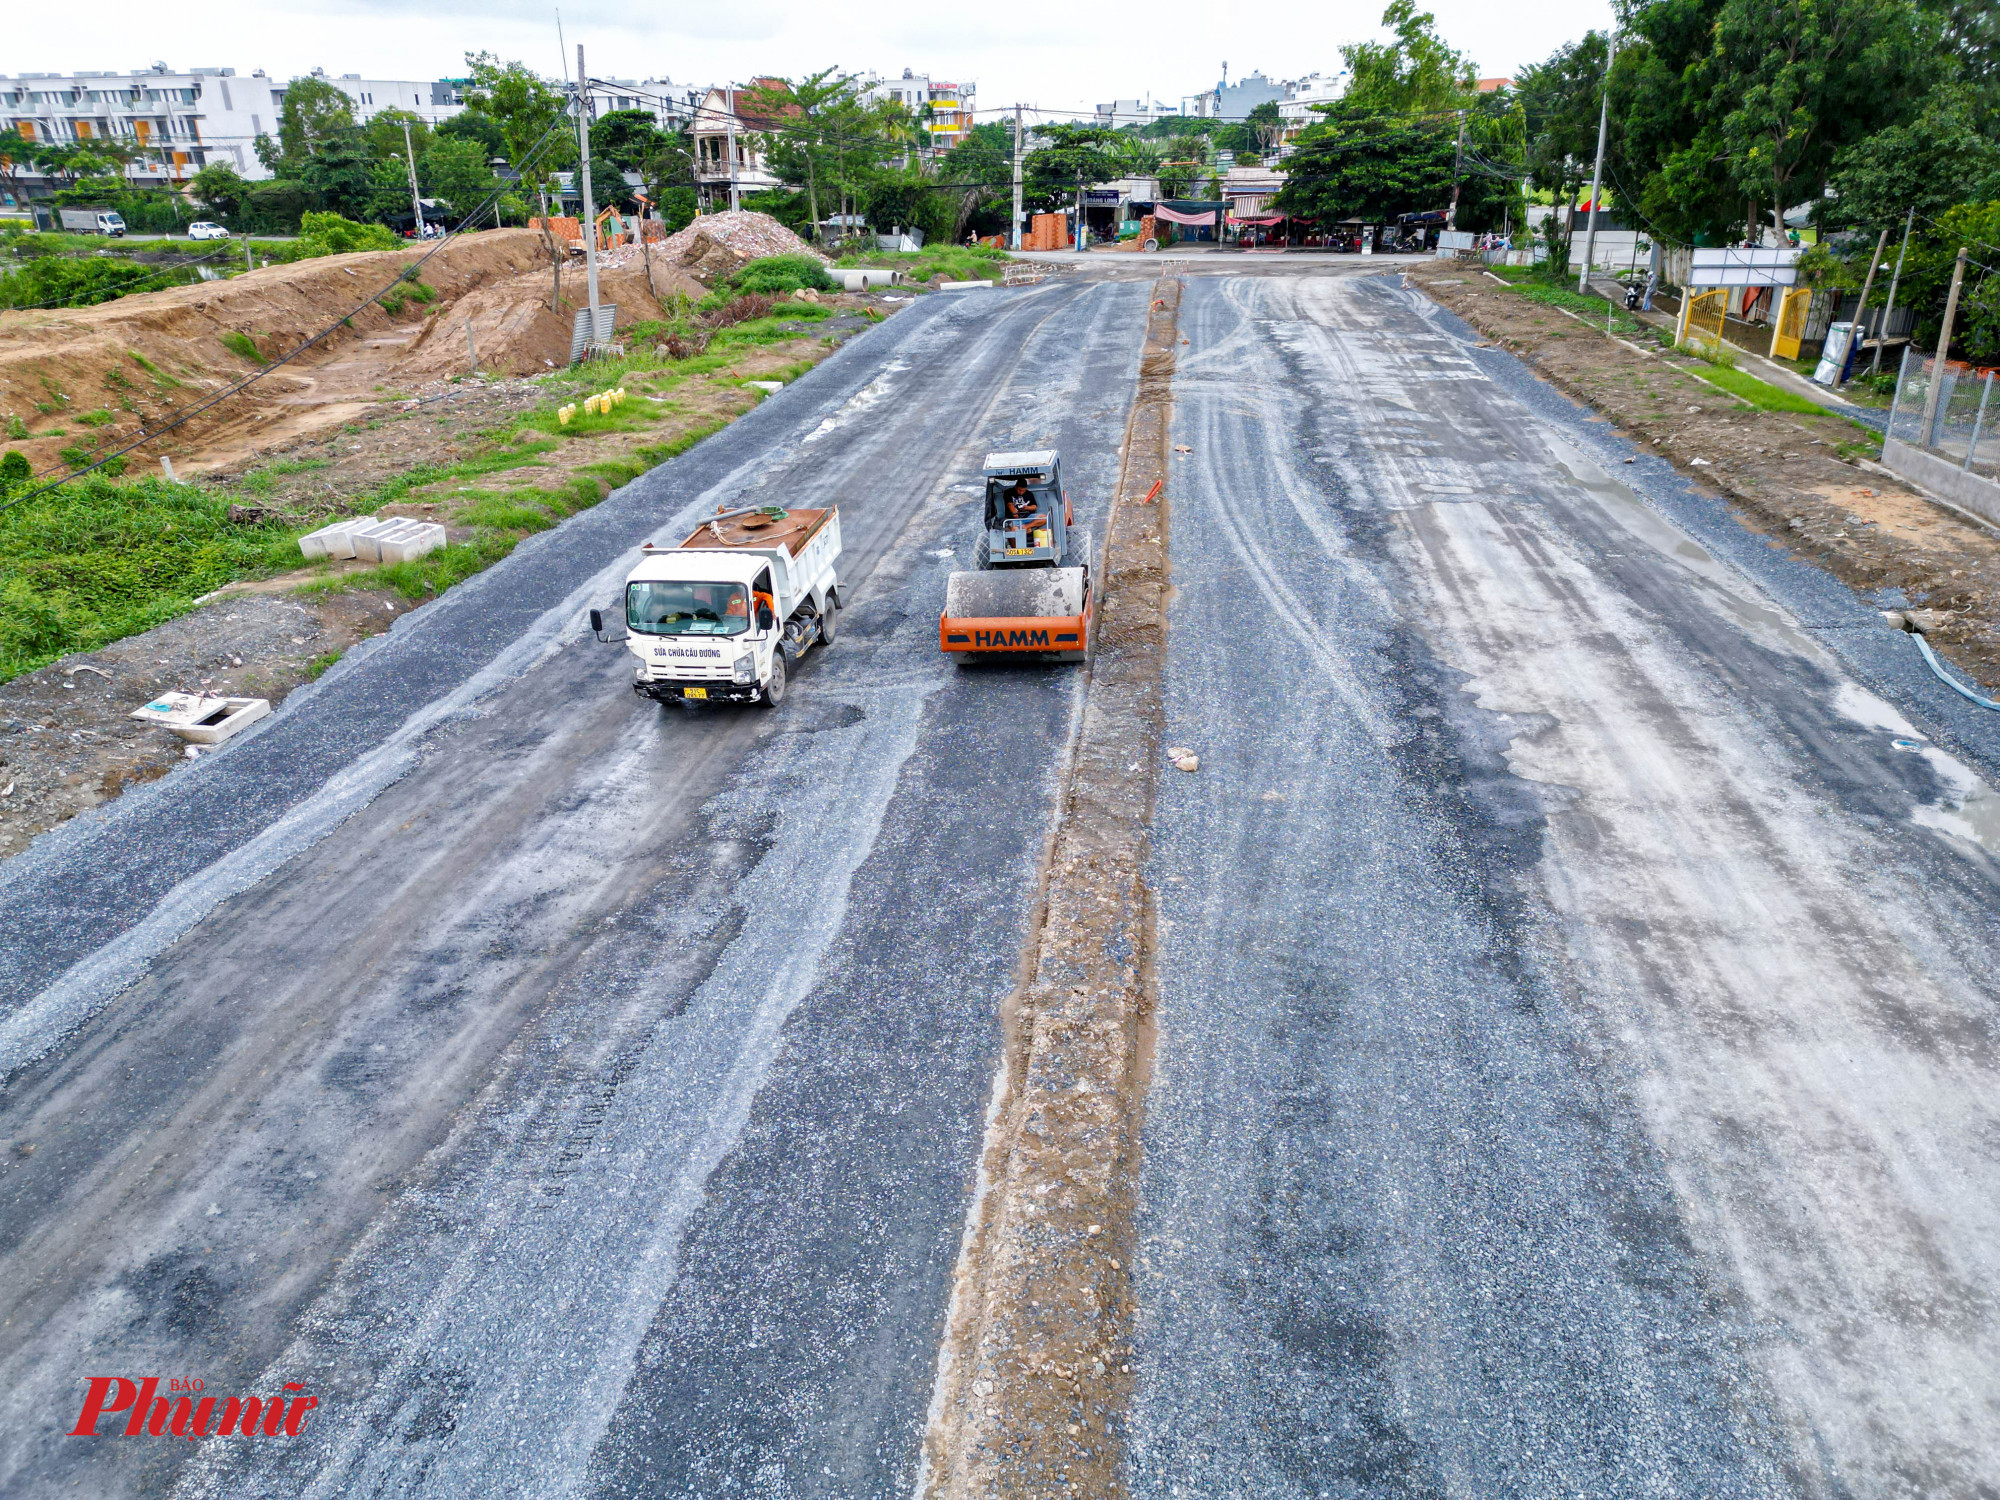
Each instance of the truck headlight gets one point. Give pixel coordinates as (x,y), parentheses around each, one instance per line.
(746,667)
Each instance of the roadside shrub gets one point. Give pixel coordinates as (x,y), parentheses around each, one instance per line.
(14,468)
(740,310)
(331,234)
(781,275)
(65,281)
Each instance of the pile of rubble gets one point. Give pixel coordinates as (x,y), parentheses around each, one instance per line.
(717,245)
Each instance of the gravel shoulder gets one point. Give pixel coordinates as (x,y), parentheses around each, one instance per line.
(1801,480)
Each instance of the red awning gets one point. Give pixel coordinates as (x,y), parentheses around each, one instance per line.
(1261,220)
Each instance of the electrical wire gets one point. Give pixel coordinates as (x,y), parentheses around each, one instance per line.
(188,413)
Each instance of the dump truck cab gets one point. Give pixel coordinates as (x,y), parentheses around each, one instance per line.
(721,617)
(1027,511)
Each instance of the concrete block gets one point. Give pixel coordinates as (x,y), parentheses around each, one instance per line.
(202,719)
(367,537)
(332,540)
(411,542)
(963,286)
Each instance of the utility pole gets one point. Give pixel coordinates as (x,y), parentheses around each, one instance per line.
(1597,172)
(1943,351)
(1015,242)
(583,181)
(1457,165)
(1861,307)
(410,160)
(1909,219)
(733,204)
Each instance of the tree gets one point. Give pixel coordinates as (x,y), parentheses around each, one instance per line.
(1560,100)
(814,132)
(1415,74)
(314,112)
(626,137)
(219,188)
(669,169)
(1066,159)
(383,135)
(456,171)
(978,170)
(476,125)
(1267,125)
(525,109)
(1795,80)
(1930,162)
(1358,164)
(340,176)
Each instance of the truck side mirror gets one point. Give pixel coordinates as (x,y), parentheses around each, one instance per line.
(765,619)
(597,622)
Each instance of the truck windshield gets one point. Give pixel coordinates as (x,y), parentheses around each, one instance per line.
(687,608)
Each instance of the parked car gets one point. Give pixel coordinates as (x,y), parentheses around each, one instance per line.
(201,229)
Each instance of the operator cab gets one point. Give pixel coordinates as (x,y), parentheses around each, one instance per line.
(1027,513)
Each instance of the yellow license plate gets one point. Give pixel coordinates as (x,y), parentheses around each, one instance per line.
(694,692)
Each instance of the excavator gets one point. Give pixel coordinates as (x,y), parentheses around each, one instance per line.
(1028,593)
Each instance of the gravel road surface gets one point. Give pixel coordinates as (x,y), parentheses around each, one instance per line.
(578,1096)
(1576,1068)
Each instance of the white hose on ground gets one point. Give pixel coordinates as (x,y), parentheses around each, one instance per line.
(1949,681)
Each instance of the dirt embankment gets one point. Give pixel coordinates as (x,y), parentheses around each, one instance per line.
(1785,472)
(96,377)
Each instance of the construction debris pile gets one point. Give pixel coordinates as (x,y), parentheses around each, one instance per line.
(715,246)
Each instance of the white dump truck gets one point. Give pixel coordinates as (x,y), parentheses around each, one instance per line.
(721,617)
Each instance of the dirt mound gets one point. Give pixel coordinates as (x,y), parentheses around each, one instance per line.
(97,376)
(717,245)
(513,328)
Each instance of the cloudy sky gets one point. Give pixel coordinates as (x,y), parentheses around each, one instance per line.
(1055,54)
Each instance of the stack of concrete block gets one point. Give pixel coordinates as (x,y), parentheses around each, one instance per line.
(380,539)
(1047,232)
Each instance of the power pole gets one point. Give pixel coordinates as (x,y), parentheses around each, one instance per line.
(1861,307)
(1015,241)
(583,176)
(733,203)
(410,160)
(1875,368)
(1457,164)
(1597,172)
(1943,351)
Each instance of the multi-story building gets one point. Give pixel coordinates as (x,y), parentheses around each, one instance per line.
(178,122)
(728,154)
(1233,101)
(1122,112)
(1301,94)
(951,105)
(673,106)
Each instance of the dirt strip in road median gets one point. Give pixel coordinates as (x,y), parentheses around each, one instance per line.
(1034,1377)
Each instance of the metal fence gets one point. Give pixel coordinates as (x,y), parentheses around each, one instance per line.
(1702,322)
(1949,410)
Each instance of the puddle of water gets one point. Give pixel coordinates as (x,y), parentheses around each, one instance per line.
(1969,809)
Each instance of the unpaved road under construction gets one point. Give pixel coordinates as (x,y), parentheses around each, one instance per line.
(1574,1067)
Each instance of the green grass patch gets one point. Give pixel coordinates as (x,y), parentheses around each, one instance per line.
(240,343)
(91,562)
(98,418)
(160,377)
(941,262)
(659,453)
(1759,393)
(1593,310)
(316,668)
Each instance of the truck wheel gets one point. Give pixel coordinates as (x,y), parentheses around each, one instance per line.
(829,620)
(982,552)
(774,690)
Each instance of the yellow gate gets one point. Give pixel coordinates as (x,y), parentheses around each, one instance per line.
(1701,322)
(1789,328)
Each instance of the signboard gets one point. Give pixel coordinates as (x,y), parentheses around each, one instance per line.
(1744,268)
(1456,239)
(1100,195)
